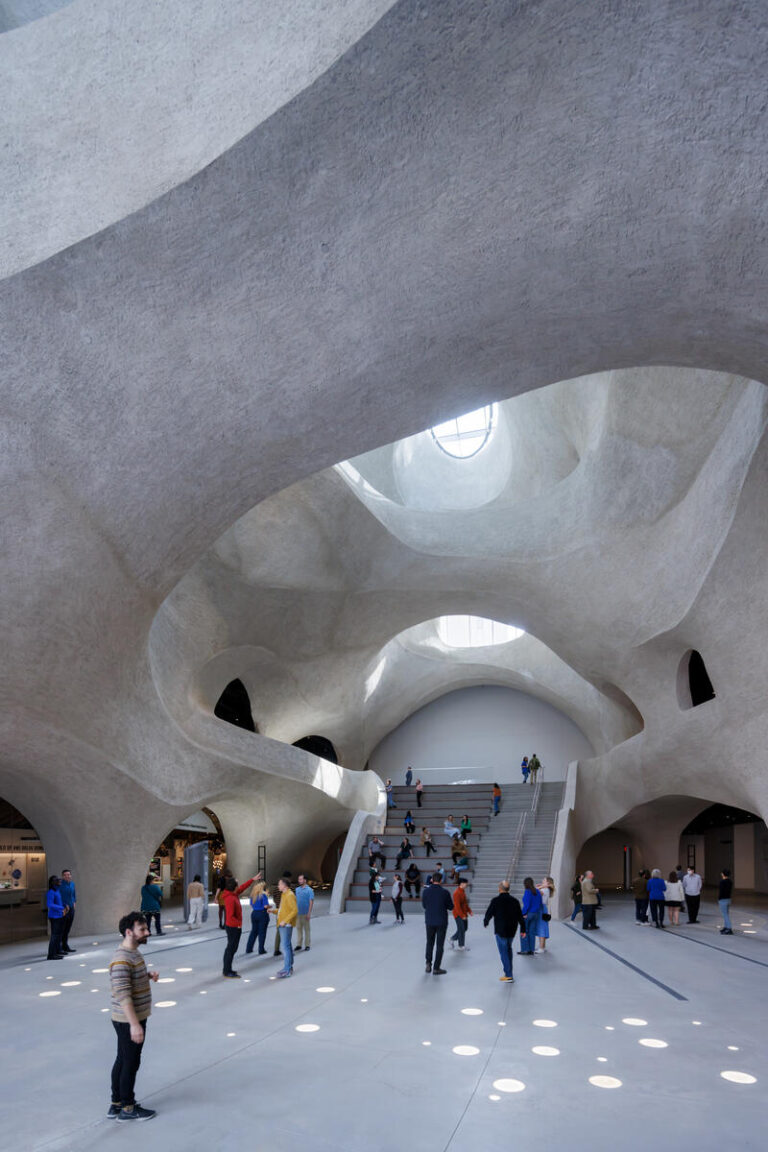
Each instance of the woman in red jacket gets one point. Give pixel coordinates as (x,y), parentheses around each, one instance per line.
(233,920)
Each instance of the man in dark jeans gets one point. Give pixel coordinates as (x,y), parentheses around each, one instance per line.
(233,921)
(437,903)
(131,1006)
(69,898)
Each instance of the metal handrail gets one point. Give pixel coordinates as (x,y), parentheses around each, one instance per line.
(517,846)
(536,798)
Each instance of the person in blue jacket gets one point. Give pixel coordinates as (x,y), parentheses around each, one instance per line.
(152,902)
(532,906)
(656,889)
(68,899)
(56,914)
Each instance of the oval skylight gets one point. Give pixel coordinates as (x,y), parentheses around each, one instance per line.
(474,632)
(464,436)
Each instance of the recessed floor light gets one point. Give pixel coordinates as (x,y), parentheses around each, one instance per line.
(29,969)
(605,1082)
(634,1022)
(167,980)
(231,1033)
(696,1022)
(204,992)
(545,1023)
(509,1085)
(749,932)
(325,988)
(732,1048)
(49,993)
(97,970)
(104,1009)
(70,983)
(426,1043)
(610,1028)
(543,1050)
(471,1011)
(165,1004)
(465,1050)
(493,1097)
(602,1059)
(648,1043)
(734,1077)
(364,1000)
(185,969)
(501,1023)
(307,1027)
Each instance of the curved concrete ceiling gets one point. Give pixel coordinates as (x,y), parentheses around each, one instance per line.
(468,203)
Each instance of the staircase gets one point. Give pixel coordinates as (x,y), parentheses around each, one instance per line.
(491,842)
(498,843)
(438,802)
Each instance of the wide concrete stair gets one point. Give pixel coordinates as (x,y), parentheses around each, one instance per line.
(491,842)
(438,802)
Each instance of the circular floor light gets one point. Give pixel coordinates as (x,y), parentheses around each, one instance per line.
(647,1042)
(185,969)
(602,1059)
(426,1043)
(71,983)
(543,1050)
(509,1085)
(471,1011)
(165,1004)
(49,994)
(634,1022)
(325,988)
(739,1077)
(732,1048)
(493,1096)
(465,1050)
(605,1082)
(545,1023)
(307,1027)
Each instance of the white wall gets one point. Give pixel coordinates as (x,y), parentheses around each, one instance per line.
(480,734)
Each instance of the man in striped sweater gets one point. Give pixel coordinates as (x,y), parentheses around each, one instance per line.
(131,1007)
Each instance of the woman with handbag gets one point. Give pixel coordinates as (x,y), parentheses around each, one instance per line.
(547,890)
(532,905)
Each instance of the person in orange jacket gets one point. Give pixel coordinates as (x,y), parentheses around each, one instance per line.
(233,920)
(461,914)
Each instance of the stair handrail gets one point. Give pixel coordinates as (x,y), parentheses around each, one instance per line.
(536,798)
(517,846)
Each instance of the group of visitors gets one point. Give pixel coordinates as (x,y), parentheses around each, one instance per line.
(680,890)
(61,898)
(530,769)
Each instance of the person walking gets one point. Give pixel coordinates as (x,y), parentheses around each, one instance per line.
(233,921)
(524,769)
(374,895)
(151,903)
(724,894)
(576,897)
(131,1001)
(259,901)
(674,898)
(426,841)
(56,914)
(287,915)
(196,898)
(397,898)
(656,889)
(496,797)
(408,776)
(419,792)
(533,766)
(437,903)
(507,916)
(532,905)
(461,914)
(589,900)
(305,902)
(68,899)
(640,893)
(412,879)
(547,890)
(692,885)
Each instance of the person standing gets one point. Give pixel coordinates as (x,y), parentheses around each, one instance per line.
(68,899)
(56,914)
(724,894)
(233,921)
(374,895)
(533,766)
(426,841)
(390,794)
(692,888)
(640,893)
(524,769)
(419,792)
(576,897)
(532,904)
(496,796)
(437,903)
(589,895)
(151,903)
(674,898)
(412,877)
(287,914)
(408,776)
(305,902)
(507,916)
(656,890)
(397,898)
(259,918)
(196,898)
(461,914)
(131,1000)
(547,890)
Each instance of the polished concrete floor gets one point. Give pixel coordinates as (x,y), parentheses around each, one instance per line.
(617,1039)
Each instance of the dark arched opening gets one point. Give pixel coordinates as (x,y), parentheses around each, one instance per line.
(234,706)
(694,686)
(23,877)
(318,746)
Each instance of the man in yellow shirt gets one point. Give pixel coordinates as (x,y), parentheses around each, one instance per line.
(287,915)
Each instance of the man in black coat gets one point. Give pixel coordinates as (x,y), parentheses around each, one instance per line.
(437,903)
(507,916)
